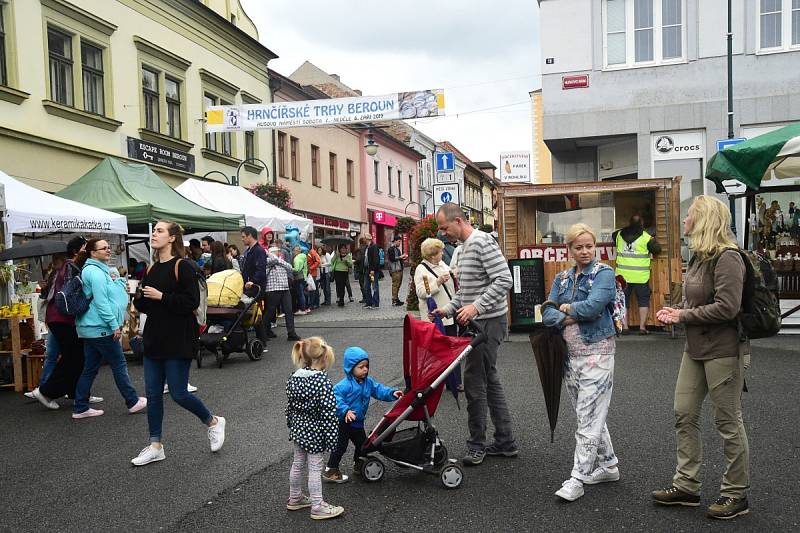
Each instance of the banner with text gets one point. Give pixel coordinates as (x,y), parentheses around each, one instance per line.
(400,106)
(515,167)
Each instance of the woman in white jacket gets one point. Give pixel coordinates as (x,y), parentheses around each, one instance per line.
(433,279)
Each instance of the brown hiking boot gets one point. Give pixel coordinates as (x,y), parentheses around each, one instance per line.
(333,475)
(726,508)
(675,496)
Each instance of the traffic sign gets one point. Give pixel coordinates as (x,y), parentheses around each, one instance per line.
(731,186)
(445,177)
(724,143)
(445,162)
(446,193)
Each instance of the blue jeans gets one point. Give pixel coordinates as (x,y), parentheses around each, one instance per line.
(325,281)
(94,352)
(51,352)
(372,295)
(176,374)
(300,292)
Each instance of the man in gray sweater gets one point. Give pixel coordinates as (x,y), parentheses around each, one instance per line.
(483,283)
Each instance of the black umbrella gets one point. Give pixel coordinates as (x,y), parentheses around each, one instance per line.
(34,248)
(550,350)
(335,240)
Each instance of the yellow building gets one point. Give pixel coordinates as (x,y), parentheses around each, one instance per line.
(81,80)
(541,165)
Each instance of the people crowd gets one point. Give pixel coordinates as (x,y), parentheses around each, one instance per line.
(462,277)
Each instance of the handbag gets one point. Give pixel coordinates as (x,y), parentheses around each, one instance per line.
(311,285)
(443,285)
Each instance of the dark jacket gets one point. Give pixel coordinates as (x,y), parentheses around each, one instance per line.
(255,266)
(631,233)
(171,330)
(219,264)
(711,303)
(373,257)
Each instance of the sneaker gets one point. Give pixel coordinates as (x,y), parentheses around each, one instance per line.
(570,490)
(473,457)
(88,413)
(140,405)
(29,394)
(44,400)
(274,325)
(189,388)
(216,434)
(282,315)
(326,511)
(95,399)
(149,454)
(726,508)
(303,503)
(292,337)
(603,475)
(675,496)
(333,475)
(496,451)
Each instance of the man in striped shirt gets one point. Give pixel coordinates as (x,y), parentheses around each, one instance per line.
(483,283)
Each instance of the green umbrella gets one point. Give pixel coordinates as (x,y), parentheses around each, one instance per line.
(757,159)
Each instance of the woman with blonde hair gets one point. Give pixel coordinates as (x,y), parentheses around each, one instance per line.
(579,305)
(714,361)
(313,425)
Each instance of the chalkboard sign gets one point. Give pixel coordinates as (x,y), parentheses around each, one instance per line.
(527,292)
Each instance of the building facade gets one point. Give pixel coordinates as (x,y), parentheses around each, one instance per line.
(541,166)
(637,88)
(65,105)
(489,190)
(321,167)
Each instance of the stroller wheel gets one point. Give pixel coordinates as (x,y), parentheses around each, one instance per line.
(440,456)
(198,357)
(220,358)
(451,476)
(372,469)
(254,349)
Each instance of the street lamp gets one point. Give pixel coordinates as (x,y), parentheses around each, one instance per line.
(234,180)
(405,211)
(371,147)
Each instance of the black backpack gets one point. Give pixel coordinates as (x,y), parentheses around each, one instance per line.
(71,300)
(761,313)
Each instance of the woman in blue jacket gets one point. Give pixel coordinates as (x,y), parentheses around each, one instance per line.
(101,329)
(579,305)
(353,394)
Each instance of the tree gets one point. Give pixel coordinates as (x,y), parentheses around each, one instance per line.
(275,194)
(404,225)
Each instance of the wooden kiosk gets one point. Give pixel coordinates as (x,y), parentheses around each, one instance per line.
(534,218)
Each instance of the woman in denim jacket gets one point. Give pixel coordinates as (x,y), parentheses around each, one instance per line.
(579,307)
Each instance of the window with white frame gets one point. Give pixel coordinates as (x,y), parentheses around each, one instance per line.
(643,32)
(778,25)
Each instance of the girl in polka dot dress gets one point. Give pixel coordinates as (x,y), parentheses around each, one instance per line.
(312,422)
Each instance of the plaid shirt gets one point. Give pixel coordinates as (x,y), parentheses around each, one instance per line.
(278,274)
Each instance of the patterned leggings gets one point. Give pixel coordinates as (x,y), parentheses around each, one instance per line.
(316,461)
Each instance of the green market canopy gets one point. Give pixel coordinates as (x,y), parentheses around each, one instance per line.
(758,159)
(135,191)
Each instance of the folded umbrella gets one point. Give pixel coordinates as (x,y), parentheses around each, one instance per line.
(35,248)
(454,379)
(550,351)
(336,240)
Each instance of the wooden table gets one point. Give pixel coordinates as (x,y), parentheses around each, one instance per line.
(16,352)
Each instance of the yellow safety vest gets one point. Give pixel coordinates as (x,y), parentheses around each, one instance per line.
(633,260)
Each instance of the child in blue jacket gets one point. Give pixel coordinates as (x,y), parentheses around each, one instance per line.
(352,401)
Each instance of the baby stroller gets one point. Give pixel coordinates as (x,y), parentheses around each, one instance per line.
(228,331)
(428,358)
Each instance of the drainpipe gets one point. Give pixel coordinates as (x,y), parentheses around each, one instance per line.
(274,85)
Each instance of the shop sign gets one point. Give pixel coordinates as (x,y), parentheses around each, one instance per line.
(515,167)
(580,81)
(330,222)
(678,145)
(384,219)
(160,155)
(557,253)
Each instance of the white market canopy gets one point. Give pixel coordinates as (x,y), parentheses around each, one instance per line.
(29,210)
(235,199)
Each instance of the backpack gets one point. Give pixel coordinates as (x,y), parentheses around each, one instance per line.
(760,316)
(71,300)
(380,257)
(202,310)
(616,307)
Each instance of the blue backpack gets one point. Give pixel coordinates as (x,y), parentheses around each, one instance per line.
(71,300)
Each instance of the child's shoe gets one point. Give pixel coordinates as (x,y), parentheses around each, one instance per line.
(326,511)
(334,475)
(295,505)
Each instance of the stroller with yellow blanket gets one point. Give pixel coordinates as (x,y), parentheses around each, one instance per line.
(230,319)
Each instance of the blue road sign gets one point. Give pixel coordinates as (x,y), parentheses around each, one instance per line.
(724,143)
(446,197)
(445,162)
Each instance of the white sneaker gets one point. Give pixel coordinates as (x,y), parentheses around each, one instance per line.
(44,400)
(603,475)
(216,434)
(149,454)
(29,394)
(570,490)
(95,399)
(189,388)
(88,413)
(140,405)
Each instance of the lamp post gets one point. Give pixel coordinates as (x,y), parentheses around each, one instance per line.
(731,200)
(405,211)
(371,147)
(234,180)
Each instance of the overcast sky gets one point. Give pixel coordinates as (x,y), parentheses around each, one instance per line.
(485,54)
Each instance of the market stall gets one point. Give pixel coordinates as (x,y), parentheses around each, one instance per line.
(535,218)
(235,199)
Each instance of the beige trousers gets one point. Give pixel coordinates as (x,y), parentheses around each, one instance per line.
(722,380)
